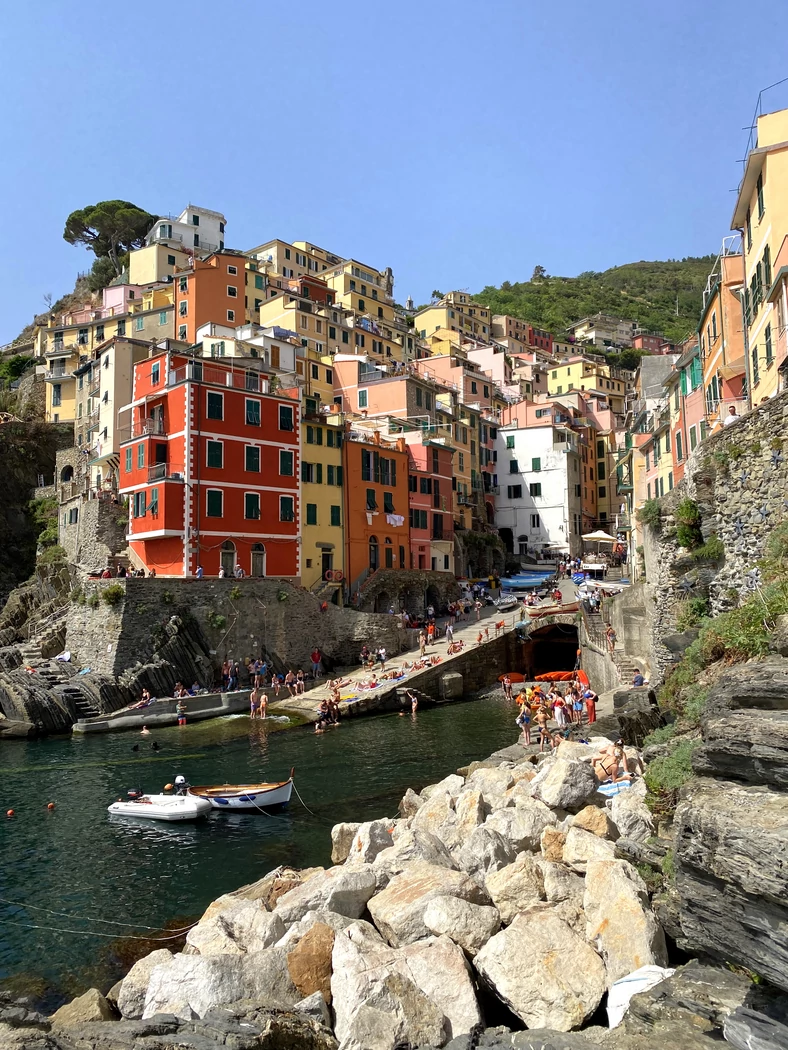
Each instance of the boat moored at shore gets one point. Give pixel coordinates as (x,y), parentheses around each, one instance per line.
(244,796)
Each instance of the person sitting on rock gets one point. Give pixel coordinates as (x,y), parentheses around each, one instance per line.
(638,679)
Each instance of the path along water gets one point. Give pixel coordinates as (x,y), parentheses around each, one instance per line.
(75,859)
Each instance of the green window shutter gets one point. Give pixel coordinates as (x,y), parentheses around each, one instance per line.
(319,473)
(330,474)
(251,505)
(536,463)
(214,504)
(339,475)
(286,512)
(318,435)
(310,434)
(128,460)
(335,516)
(285,463)
(258,281)
(311,514)
(215,457)
(140,455)
(252,458)
(252,413)
(215,406)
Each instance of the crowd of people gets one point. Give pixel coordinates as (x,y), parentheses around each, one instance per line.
(540,705)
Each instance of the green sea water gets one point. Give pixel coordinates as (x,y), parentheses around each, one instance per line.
(78,861)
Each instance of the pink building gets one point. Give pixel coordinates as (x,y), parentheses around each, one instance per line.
(430,506)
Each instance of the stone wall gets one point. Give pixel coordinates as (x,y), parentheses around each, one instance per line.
(739,480)
(97,536)
(409,589)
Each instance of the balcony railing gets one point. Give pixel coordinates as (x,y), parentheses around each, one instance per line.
(165,472)
(720,410)
(251,381)
(57,373)
(141,427)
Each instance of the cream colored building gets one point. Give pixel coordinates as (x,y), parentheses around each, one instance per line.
(458,312)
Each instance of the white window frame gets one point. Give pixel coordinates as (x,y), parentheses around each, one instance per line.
(232,270)
(363,399)
(232,291)
(292,500)
(213,441)
(220,394)
(287,452)
(259,506)
(231,315)
(259,403)
(259,459)
(207,494)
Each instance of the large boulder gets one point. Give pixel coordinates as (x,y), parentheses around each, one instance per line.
(738,746)
(631,815)
(309,963)
(637,714)
(241,927)
(619,921)
(268,889)
(485,850)
(522,824)
(581,847)
(371,838)
(341,837)
(298,930)
(469,925)
(560,883)
(410,845)
(698,995)
(762,685)
(134,986)
(568,784)
(597,821)
(543,971)
(492,783)
(190,985)
(732,874)
(436,814)
(383,997)
(450,785)
(516,887)
(398,910)
(342,889)
(410,804)
(91,1006)
(551,844)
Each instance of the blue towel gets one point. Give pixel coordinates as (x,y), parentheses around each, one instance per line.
(578,577)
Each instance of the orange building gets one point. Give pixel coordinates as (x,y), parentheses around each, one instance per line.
(376,505)
(211,469)
(212,289)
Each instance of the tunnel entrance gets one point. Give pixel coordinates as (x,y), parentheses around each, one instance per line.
(550,648)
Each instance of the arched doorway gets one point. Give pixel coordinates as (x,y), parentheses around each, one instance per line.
(374,554)
(490,512)
(67,474)
(258,560)
(228,556)
(550,648)
(432,597)
(507,538)
(382,602)
(388,550)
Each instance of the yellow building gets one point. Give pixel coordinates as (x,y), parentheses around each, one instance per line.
(586,374)
(322,501)
(156,263)
(459,313)
(761,214)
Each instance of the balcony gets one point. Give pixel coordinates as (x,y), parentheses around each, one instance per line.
(197,372)
(57,375)
(165,472)
(719,411)
(143,427)
(466,501)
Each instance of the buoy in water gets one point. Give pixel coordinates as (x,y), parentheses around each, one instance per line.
(50,805)
(9,813)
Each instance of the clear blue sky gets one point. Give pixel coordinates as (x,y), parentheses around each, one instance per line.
(459,143)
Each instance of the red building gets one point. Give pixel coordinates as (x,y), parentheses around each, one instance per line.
(211,469)
(430,505)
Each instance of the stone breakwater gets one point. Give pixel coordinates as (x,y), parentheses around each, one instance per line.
(498,892)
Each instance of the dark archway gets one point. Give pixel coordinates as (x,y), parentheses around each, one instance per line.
(67,474)
(550,648)
(432,598)
(382,602)
(490,509)
(507,538)
(374,553)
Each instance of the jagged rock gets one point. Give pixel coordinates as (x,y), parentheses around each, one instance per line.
(469,811)
(410,804)
(560,884)
(384,997)
(134,986)
(619,921)
(739,746)
(567,785)
(485,850)
(631,815)
(309,963)
(697,995)
(341,837)
(450,785)
(342,889)
(732,874)
(112,995)
(544,972)
(268,889)
(241,927)
(749,1030)
(551,844)
(409,846)
(573,750)
(92,1006)
(469,925)
(638,717)
(581,847)
(370,839)
(763,685)
(597,822)
(516,887)
(435,814)
(491,782)
(522,824)
(398,911)
(314,1006)
(190,985)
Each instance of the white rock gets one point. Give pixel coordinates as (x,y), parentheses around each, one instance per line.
(300,929)
(191,985)
(485,850)
(543,971)
(566,785)
(410,845)
(516,887)
(451,785)
(410,804)
(619,921)
(631,815)
(435,814)
(342,889)
(469,925)
(240,928)
(522,824)
(491,782)
(560,884)
(370,839)
(398,910)
(314,1006)
(581,847)
(383,997)
(341,837)
(133,988)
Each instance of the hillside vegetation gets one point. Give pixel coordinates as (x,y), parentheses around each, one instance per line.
(643,291)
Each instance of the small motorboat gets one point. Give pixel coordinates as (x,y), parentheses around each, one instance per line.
(507,601)
(160,807)
(536,611)
(244,796)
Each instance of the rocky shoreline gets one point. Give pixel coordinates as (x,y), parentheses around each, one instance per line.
(503,895)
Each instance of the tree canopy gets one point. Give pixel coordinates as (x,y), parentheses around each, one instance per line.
(646,292)
(109,229)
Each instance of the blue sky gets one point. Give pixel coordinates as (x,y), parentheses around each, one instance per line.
(459,143)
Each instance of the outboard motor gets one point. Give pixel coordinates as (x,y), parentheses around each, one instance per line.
(134,793)
(181,785)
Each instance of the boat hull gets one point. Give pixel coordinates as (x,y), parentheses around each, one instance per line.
(552,610)
(168,808)
(244,796)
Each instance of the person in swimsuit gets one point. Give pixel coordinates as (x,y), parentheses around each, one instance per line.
(524,721)
(542,718)
(300,684)
(253,703)
(290,679)
(507,687)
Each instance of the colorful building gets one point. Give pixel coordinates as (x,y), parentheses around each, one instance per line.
(211,289)
(322,501)
(458,312)
(506,327)
(430,505)
(721,338)
(211,469)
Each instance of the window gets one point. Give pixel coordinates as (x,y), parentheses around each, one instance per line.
(140,455)
(214,504)
(286,508)
(128,460)
(767,344)
(57,394)
(486,391)
(231,315)
(183,284)
(335,516)
(514,491)
(535,489)
(473,387)
(196,240)
(767,268)
(535,522)
(252,412)
(759,192)
(362,305)
(215,406)
(418,518)
(252,505)
(182,332)
(139,324)
(121,328)
(139,505)
(667,441)
(372,503)
(514,467)
(311,514)
(155,374)
(170,260)
(195,220)
(693,438)
(755,372)
(214,455)
(252,458)
(285,417)
(286,460)
(748,225)
(536,463)
(461,461)
(510,440)
(648,460)
(258,281)
(232,270)
(679,451)
(99,333)
(162,316)
(670,480)
(648,491)
(425,485)
(602,491)
(388,502)
(362,399)
(232,291)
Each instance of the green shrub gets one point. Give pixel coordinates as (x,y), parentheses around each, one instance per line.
(666,776)
(777,444)
(113,594)
(51,555)
(282,596)
(694,702)
(721,458)
(736,452)
(93,601)
(649,514)
(691,613)
(755,448)
(45,518)
(688,532)
(669,865)
(651,877)
(235,593)
(216,621)
(77,596)
(661,735)
(777,546)
(167,598)
(712,550)
(687,512)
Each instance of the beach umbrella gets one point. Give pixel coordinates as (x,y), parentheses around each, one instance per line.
(599,537)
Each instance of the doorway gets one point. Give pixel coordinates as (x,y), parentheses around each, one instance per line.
(258,560)
(228,557)
(374,553)
(326,563)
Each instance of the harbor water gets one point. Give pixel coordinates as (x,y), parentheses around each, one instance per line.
(70,875)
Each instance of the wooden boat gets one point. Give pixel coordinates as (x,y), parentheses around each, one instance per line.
(555,676)
(507,601)
(551,610)
(168,808)
(245,796)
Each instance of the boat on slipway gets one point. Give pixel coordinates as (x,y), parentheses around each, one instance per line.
(244,796)
(169,808)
